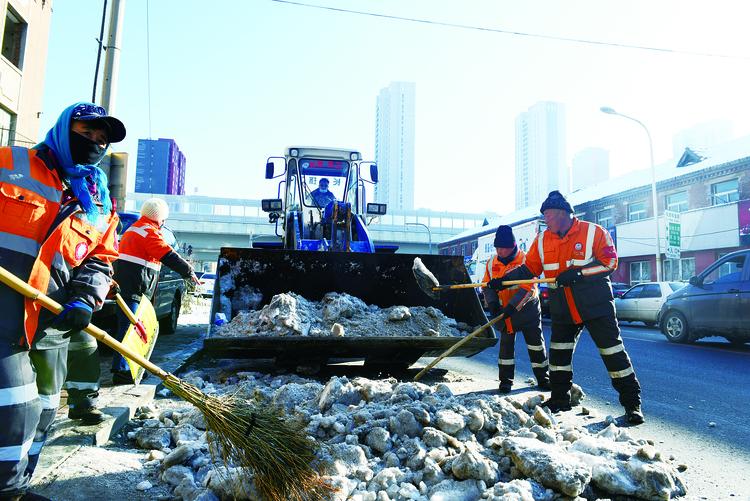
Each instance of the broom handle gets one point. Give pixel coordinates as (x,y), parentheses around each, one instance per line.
(20,286)
(506,282)
(456,346)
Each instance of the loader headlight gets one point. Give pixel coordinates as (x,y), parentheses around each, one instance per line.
(271,204)
(294,153)
(376,209)
(353,156)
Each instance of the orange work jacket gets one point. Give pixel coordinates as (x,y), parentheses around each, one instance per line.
(52,246)
(517,295)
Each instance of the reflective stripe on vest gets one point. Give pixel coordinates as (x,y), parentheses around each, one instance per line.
(140,261)
(21,176)
(589,256)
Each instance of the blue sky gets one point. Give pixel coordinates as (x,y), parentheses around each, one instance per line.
(235,82)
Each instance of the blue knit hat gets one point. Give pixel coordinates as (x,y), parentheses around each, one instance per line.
(504,237)
(555,200)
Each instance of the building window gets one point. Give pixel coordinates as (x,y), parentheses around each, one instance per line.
(636,212)
(640,271)
(463,249)
(677,202)
(604,218)
(453,250)
(679,270)
(725,192)
(14,38)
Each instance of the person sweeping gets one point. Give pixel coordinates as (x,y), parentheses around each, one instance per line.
(57,233)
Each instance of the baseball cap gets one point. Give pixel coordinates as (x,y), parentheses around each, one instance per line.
(87,111)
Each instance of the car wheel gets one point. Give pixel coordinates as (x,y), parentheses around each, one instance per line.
(649,323)
(675,327)
(168,325)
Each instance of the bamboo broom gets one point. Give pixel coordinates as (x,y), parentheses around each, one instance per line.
(283,458)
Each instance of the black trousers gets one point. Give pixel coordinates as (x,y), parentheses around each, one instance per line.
(605,333)
(506,360)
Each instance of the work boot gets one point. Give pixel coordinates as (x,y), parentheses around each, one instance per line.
(634,414)
(505,386)
(544,385)
(554,405)
(122,377)
(89,415)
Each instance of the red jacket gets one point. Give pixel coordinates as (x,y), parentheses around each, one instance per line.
(50,245)
(142,251)
(517,295)
(587,246)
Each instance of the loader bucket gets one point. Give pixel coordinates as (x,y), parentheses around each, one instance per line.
(383,280)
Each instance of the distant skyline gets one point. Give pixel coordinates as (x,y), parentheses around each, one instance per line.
(264,75)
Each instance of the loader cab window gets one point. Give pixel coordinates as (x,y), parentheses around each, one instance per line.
(325,180)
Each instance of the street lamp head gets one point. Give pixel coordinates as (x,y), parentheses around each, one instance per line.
(608,110)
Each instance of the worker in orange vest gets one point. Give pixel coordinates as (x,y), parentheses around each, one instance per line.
(142,252)
(519,305)
(57,232)
(580,256)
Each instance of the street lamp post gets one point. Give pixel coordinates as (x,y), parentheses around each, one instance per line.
(610,111)
(429,234)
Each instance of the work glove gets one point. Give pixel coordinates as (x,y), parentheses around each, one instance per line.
(76,316)
(509,311)
(494,309)
(496,284)
(114,290)
(569,277)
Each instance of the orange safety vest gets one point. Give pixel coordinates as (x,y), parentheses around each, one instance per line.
(142,247)
(496,269)
(587,246)
(62,241)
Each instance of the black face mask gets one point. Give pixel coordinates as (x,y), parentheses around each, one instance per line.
(84,151)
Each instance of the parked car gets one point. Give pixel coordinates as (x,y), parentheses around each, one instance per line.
(167,299)
(642,302)
(206,286)
(714,304)
(618,288)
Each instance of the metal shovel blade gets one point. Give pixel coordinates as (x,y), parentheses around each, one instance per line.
(425,279)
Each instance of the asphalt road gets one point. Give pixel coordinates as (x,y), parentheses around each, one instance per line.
(695,399)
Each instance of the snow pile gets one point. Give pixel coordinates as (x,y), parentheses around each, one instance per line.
(391,441)
(339,315)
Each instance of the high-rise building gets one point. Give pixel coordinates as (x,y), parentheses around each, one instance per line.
(394,145)
(702,136)
(541,153)
(160,168)
(590,166)
(25,32)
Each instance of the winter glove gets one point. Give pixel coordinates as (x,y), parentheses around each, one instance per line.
(509,311)
(569,277)
(76,316)
(496,284)
(494,309)
(114,290)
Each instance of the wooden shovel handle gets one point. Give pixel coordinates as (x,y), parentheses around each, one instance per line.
(456,346)
(507,282)
(25,289)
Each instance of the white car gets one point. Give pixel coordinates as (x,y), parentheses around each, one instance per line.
(642,302)
(206,286)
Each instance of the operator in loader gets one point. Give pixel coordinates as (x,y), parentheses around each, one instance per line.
(521,313)
(321,195)
(581,256)
(57,233)
(142,252)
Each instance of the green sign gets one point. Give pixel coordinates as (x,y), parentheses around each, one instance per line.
(674,236)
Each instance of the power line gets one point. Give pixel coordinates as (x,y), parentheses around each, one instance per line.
(507,32)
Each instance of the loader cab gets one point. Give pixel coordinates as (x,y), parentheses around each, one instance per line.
(306,218)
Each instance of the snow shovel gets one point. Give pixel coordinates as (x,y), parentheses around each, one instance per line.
(430,285)
(142,333)
(455,346)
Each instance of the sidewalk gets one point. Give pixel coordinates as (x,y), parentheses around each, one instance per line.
(172,352)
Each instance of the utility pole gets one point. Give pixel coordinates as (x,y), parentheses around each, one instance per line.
(112,59)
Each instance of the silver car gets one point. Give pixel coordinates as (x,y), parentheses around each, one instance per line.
(642,302)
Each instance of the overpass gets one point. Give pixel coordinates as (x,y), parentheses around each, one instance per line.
(209,223)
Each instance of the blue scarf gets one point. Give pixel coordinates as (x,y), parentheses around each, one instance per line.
(58,140)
